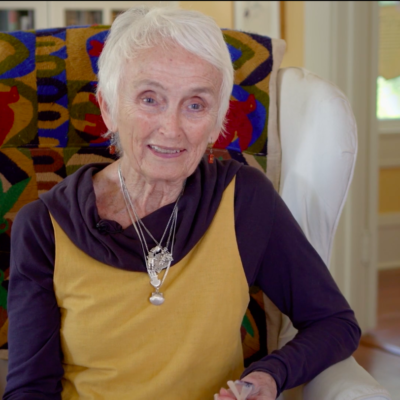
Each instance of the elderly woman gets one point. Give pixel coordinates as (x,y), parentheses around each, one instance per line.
(130,280)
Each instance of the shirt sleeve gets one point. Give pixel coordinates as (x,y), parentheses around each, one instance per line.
(35,366)
(291,273)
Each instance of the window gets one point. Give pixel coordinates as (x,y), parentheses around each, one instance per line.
(15,20)
(388,83)
(83,17)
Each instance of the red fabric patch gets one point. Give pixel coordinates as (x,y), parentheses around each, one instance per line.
(7,114)
(239,125)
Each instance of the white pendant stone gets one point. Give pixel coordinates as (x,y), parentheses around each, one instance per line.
(155,250)
(155,282)
(157,299)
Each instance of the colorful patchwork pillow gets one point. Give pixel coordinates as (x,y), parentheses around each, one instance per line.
(51,125)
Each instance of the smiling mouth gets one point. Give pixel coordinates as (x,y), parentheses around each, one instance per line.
(163,150)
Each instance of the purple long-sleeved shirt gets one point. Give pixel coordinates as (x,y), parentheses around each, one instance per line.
(274,251)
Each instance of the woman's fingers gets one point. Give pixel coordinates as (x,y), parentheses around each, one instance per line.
(257,397)
(225,394)
(255,386)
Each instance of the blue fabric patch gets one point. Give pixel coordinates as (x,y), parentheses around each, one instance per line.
(63,101)
(61,53)
(102,144)
(57,32)
(50,90)
(234,52)
(28,41)
(60,133)
(258,119)
(239,93)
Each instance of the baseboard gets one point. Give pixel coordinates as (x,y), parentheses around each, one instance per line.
(389,265)
(389,220)
(389,241)
(393,162)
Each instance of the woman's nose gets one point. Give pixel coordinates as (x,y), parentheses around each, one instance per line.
(171,123)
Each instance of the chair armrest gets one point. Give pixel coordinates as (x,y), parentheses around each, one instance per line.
(345,380)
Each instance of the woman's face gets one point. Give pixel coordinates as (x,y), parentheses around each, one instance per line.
(167,112)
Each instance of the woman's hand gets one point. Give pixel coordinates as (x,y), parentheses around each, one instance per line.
(264,385)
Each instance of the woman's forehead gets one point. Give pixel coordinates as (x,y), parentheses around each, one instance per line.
(160,67)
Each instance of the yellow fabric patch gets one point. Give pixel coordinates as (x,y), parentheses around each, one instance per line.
(7,49)
(78,64)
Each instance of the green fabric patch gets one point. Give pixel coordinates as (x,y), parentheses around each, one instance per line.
(247,325)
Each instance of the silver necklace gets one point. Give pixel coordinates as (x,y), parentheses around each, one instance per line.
(158,258)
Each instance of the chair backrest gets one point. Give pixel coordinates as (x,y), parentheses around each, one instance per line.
(318,136)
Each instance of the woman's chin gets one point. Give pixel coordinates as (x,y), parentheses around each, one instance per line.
(171,173)
(169,168)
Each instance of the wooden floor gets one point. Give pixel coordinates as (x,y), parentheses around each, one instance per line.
(379,350)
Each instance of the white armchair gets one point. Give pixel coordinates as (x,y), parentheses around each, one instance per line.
(318,136)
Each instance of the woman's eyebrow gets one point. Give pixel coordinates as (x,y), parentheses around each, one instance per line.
(148,82)
(203,89)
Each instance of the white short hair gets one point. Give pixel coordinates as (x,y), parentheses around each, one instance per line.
(144,27)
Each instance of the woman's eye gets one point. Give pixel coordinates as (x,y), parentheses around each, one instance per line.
(148,100)
(195,106)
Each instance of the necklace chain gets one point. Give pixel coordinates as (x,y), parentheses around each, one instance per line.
(158,258)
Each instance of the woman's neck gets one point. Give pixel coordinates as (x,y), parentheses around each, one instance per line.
(146,196)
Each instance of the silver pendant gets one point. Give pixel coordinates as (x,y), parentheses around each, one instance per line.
(154,281)
(157,298)
(158,259)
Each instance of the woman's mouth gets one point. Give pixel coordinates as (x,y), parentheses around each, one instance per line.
(165,150)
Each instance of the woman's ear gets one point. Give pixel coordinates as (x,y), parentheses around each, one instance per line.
(106,113)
